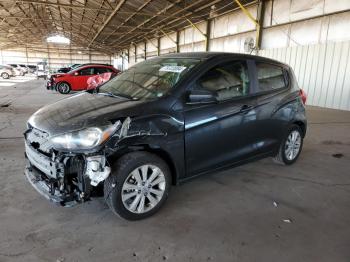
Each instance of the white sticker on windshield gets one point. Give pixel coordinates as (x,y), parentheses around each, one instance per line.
(172,68)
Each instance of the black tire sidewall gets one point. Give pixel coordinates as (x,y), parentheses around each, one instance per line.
(283,152)
(121,172)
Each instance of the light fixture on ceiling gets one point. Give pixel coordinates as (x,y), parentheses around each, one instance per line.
(213,12)
(58,39)
(79,52)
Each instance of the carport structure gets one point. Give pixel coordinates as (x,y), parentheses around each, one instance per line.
(104,25)
(312,37)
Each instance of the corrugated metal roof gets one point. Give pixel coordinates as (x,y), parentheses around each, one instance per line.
(104,25)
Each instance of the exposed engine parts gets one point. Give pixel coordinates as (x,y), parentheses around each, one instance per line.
(96,169)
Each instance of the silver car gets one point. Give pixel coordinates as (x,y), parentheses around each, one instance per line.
(6,71)
(19,71)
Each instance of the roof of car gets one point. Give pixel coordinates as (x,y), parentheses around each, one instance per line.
(91,64)
(94,64)
(208,55)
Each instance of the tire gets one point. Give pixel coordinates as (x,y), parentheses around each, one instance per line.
(5,75)
(64,88)
(284,155)
(117,196)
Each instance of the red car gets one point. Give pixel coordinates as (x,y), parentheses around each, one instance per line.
(77,79)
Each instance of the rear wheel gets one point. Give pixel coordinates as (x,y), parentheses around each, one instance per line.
(291,146)
(138,186)
(63,88)
(5,75)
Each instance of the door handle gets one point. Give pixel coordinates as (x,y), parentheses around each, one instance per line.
(245,108)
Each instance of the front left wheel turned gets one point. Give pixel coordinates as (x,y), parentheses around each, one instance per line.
(138,186)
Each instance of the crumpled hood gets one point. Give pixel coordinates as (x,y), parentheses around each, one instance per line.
(81,111)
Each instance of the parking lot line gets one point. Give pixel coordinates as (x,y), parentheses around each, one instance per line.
(6,84)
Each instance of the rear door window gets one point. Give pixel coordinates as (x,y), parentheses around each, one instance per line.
(86,71)
(270,77)
(101,70)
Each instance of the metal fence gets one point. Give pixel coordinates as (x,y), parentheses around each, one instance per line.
(322,70)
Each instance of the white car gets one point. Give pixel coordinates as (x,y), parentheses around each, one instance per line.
(6,72)
(18,69)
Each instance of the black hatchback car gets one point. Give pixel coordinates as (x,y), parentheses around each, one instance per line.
(161,122)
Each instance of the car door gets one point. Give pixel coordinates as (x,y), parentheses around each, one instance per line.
(270,92)
(82,76)
(221,133)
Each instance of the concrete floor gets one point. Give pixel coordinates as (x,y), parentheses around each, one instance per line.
(227,216)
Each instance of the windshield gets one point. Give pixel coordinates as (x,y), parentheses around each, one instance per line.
(149,79)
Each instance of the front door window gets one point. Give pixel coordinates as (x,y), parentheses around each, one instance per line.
(226,81)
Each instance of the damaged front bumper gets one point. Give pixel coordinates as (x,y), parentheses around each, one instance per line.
(44,187)
(65,179)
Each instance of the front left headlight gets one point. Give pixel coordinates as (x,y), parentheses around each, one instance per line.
(86,138)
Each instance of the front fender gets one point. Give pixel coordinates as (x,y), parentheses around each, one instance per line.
(160,134)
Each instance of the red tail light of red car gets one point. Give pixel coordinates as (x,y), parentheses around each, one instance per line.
(303,96)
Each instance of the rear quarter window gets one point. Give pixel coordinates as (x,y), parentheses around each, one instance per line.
(270,77)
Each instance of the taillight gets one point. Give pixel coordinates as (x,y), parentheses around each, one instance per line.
(303,96)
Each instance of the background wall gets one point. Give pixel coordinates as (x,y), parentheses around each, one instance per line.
(312,36)
(54,55)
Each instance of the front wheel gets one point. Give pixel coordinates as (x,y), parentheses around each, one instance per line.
(138,186)
(291,146)
(5,75)
(63,88)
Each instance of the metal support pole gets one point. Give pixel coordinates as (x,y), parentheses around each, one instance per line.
(135,47)
(70,54)
(122,55)
(128,56)
(208,33)
(48,57)
(177,41)
(251,17)
(260,19)
(158,46)
(26,54)
(145,51)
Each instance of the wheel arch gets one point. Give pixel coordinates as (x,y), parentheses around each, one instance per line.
(63,81)
(302,126)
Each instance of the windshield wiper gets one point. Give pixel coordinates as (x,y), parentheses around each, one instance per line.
(110,94)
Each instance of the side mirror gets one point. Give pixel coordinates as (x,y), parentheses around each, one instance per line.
(76,73)
(201,97)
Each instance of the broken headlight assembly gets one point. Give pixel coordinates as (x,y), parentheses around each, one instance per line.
(86,139)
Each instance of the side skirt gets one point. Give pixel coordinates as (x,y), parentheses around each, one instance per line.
(229,166)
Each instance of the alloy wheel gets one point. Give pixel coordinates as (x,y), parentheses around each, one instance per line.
(64,88)
(5,75)
(292,146)
(143,189)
